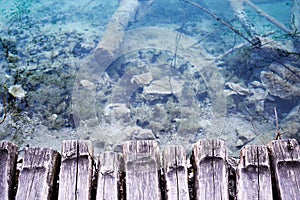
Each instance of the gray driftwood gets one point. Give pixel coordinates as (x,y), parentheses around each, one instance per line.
(238,8)
(8,158)
(268,17)
(108,47)
(109,176)
(175,173)
(127,13)
(211,178)
(75,180)
(296,15)
(254,174)
(285,158)
(141,159)
(39,173)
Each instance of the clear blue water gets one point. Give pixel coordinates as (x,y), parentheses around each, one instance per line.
(179,71)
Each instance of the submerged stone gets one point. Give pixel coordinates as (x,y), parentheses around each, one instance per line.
(277,86)
(164,86)
(142,79)
(17,91)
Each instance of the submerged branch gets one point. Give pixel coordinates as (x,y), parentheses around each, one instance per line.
(4,109)
(268,17)
(253,42)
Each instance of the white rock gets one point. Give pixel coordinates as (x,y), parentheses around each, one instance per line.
(164,86)
(17,91)
(142,79)
(256,83)
(87,84)
(53,117)
(239,143)
(119,110)
(146,134)
(205,124)
(131,130)
(245,134)
(238,89)
(229,93)
(258,94)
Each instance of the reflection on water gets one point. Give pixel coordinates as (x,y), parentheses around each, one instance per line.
(174,71)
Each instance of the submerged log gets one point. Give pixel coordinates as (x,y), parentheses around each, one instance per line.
(108,47)
(127,13)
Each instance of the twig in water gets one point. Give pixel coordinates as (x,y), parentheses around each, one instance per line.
(86,5)
(4,109)
(268,17)
(254,42)
(278,135)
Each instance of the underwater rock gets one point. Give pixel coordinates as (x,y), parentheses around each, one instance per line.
(142,79)
(167,85)
(259,95)
(87,84)
(290,125)
(237,89)
(244,135)
(277,86)
(145,134)
(131,130)
(17,91)
(282,80)
(118,110)
(256,84)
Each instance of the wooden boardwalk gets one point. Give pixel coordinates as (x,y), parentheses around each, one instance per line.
(145,172)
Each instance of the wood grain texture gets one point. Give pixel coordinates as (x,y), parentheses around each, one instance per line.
(38,175)
(211,178)
(108,176)
(141,160)
(285,160)
(254,174)
(8,159)
(76,170)
(175,173)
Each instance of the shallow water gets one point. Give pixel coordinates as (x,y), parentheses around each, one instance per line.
(178,75)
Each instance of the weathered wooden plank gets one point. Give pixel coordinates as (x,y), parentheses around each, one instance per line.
(8,159)
(109,176)
(254,174)
(175,172)
(141,160)
(76,170)
(211,178)
(39,174)
(285,160)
